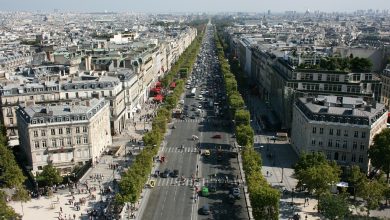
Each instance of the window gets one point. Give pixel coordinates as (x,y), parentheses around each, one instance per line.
(320,143)
(328,155)
(337,143)
(356,134)
(36,144)
(40,168)
(43,133)
(338,132)
(85,140)
(60,131)
(69,141)
(345,144)
(363,134)
(313,142)
(84,129)
(314,130)
(321,130)
(62,142)
(44,144)
(343,157)
(68,130)
(354,146)
(345,133)
(362,146)
(353,158)
(53,143)
(35,133)
(330,143)
(77,130)
(361,160)
(336,156)
(331,131)
(78,140)
(53,131)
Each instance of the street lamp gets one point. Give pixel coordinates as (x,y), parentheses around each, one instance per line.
(292,196)
(281,181)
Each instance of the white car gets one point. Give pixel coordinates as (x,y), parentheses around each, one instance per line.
(236,192)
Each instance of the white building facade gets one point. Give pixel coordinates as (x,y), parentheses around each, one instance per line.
(64,135)
(342,128)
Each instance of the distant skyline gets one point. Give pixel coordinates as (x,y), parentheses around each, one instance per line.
(194,5)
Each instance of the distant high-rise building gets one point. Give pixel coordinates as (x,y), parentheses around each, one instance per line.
(269,12)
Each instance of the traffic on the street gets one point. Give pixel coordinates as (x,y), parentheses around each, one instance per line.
(197,174)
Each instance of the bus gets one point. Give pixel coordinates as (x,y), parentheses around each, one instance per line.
(193,92)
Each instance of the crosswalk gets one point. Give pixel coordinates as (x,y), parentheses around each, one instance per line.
(188,120)
(176,182)
(179,150)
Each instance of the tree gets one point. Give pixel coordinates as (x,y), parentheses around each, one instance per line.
(355,178)
(244,134)
(22,195)
(320,178)
(50,175)
(372,193)
(333,206)
(306,161)
(242,117)
(7,212)
(379,152)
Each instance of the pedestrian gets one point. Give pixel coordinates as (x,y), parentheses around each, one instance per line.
(61,209)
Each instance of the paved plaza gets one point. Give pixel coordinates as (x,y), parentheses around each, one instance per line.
(98,179)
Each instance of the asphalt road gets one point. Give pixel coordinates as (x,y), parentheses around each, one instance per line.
(170,199)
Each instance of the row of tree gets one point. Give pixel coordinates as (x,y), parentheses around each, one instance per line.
(264,199)
(11,176)
(134,179)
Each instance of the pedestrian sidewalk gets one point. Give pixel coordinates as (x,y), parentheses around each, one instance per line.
(136,127)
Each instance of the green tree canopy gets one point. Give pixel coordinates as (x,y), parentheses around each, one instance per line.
(244,135)
(50,175)
(334,206)
(379,152)
(242,117)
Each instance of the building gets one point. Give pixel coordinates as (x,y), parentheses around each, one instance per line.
(64,135)
(342,128)
(385,97)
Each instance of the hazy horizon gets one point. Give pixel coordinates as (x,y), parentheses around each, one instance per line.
(194,6)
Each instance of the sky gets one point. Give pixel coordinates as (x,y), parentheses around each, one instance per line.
(192,5)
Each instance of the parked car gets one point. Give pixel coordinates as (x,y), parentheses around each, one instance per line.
(217,136)
(166,173)
(205,210)
(175,173)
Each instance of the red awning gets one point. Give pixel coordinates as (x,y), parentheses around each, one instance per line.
(173,85)
(158,84)
(158,98)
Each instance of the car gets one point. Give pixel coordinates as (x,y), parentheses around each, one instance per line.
(205,191)
(175,173)
(217,136)
(206,153)
(193,117)
(199,106)
(166,173)
(236,192)
(151,184)
(205,210)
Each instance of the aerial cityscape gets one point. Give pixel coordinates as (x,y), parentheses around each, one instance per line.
(195,110)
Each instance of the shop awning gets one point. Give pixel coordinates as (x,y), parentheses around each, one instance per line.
(158,84)
(158,98)
(173,85)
